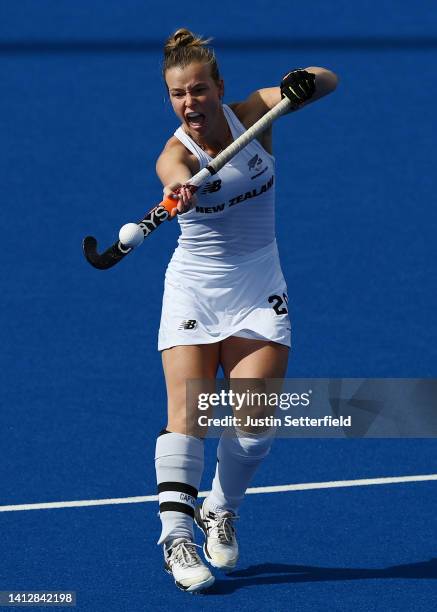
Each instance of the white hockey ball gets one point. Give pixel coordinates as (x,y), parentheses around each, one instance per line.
(131,235)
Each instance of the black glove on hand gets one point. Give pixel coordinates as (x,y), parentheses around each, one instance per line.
(298,85)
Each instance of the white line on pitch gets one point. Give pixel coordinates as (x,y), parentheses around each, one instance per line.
(306,486)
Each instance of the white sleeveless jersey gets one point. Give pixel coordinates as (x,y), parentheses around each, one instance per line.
(235,212)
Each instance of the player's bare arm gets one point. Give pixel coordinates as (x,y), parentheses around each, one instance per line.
(174,167)
(262,100)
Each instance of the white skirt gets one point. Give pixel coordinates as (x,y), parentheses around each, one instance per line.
(207,299)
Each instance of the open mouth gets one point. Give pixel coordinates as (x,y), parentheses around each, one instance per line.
(195,119)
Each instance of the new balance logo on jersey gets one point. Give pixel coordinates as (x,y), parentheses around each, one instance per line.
(212,187)
(189,324)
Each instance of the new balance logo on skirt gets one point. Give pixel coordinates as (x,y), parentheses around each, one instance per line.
(190,324)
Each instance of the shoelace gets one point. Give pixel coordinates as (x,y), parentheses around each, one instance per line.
(225,528)
(185,554)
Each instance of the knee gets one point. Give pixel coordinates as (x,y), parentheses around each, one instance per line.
(247,447)
(183,419)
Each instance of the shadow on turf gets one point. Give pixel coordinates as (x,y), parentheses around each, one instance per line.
(280,573)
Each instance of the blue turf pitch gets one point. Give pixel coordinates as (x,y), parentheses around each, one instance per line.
(83,116)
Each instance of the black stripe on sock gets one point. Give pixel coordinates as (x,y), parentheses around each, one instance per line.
(176,507)
(180,487)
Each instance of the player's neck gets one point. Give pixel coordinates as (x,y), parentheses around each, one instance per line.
(219,139)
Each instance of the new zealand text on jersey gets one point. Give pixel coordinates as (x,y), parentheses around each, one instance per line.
(253,193)
(237,199)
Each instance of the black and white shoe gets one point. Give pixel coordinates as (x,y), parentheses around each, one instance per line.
(187,568)
(221,546)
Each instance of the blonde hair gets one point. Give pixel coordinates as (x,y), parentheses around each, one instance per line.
(183,48)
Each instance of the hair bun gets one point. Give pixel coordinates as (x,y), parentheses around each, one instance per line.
(184,38)
(183,48)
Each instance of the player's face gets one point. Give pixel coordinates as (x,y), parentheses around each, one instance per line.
(195,97)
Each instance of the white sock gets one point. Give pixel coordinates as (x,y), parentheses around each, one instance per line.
(179,467)
(238,456)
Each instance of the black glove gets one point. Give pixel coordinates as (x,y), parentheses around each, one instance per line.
(298,85)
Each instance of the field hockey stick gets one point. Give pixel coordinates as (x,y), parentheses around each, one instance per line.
(160,213)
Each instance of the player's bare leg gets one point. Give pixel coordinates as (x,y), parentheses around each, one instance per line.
(179,464)
(241,451)
(182,363)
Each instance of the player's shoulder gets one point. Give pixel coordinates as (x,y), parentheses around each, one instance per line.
(175,151)
(174,148)
(250,110)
